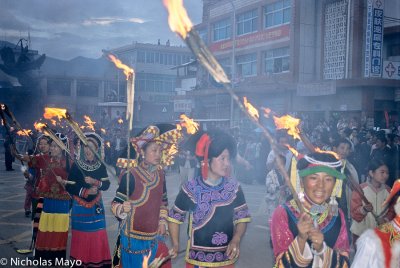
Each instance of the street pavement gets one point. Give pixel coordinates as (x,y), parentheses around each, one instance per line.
(15,228)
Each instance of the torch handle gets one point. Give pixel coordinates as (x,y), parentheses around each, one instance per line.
(306,141)
(271,140)
(206,58)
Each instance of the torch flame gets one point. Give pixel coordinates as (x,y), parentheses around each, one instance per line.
(103,130)
(38,126)
(24,132)
(251,109)
(318,150)
(120,121)
(290,123)
(89,122)
(190,125)
(178,18)
(49,113)
(108,144)
(118,63)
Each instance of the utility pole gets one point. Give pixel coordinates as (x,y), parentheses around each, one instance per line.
(233,59)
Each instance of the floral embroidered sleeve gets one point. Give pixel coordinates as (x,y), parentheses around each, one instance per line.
(183,203)
(121,197)
(241,210)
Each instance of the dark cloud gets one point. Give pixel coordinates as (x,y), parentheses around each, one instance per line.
(70,28)
(9,22)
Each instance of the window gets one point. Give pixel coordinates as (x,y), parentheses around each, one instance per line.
(277,60)
(203,35)
(277,13)
(87,89)
(226,64)
(141,56)
(149,57)
(222,30)
(155,82)
(59,87)
(247,22)
(247,65)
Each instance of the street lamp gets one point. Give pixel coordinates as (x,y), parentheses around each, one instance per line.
(233,58)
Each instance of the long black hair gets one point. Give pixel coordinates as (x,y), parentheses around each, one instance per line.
(220,141)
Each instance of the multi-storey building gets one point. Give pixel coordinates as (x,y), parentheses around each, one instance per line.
(324,58)
(96,86)
(156,78)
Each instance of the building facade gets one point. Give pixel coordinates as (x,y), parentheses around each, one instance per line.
(156,78)
(307,56)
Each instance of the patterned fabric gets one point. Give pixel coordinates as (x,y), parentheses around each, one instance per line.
(214,211)
(168,141)
(147,193)
(89,242)
(48,185)
(284,231)
(89,224)
(52,236)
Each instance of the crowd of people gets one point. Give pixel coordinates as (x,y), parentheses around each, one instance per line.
(340,198)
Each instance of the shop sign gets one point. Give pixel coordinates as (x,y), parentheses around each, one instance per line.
(391,70)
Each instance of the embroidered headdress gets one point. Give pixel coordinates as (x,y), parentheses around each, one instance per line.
(167,135)
(41,137)
(323,162)
(63,138)
(96,140)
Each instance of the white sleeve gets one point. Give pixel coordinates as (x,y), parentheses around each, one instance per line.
(271,157)
(369,252)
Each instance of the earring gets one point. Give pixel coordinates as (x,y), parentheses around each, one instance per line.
(301,195)
(334,205)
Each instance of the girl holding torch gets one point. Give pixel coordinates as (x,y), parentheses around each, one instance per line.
(318,237)
(89,243)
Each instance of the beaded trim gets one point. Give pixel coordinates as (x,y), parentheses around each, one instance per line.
(88,167)
(143,251)
(320,163)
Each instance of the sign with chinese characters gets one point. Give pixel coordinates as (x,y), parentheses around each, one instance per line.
(391,70)
(265,36)
(335,40)
(183,106)
(374,39)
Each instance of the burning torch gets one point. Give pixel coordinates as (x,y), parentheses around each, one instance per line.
(180,23)
(63,114)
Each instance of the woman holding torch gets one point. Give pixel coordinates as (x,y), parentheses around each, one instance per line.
(317,237)
(217,207)
(141,199)
(51,241)
(89,243)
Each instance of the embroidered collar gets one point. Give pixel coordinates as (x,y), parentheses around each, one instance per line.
(88,167)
